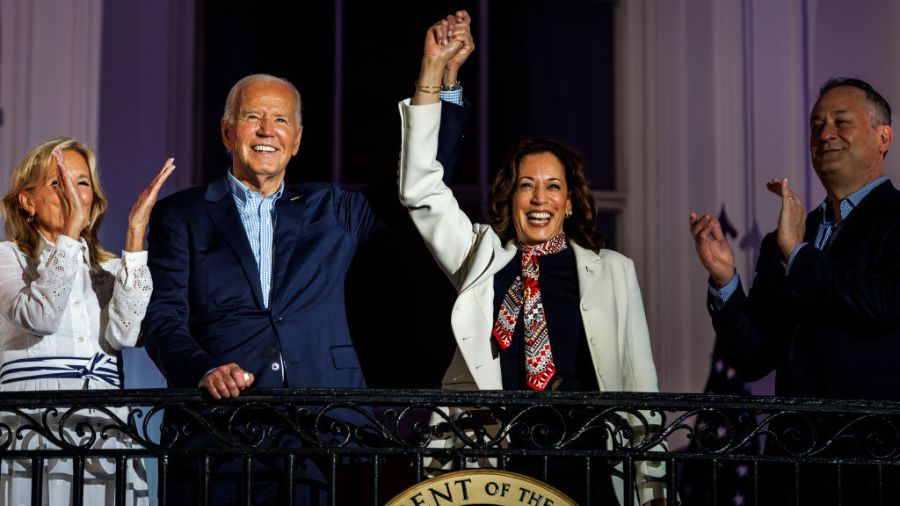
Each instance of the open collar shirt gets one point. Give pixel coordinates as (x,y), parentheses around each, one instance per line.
(258,215)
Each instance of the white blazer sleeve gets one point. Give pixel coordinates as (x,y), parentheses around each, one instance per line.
(447,231)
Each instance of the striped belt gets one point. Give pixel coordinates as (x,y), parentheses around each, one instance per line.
(101,367)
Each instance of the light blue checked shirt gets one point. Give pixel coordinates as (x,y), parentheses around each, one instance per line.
(826,233)
(452,96)
(258,216)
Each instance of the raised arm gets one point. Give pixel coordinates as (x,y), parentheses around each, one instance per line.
(133,285)
(866,290)
(143,206)
(743,341)
(453,115)
(378,202)
(442,44)
(447,231)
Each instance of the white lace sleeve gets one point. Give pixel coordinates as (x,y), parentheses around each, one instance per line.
(130,296)
(35,298)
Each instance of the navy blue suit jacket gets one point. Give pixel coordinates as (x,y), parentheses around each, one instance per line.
(831,328)
(207,310)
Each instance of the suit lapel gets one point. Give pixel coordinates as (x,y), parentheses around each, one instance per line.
(289,213)
(589,272)
(223,213)
(850,237)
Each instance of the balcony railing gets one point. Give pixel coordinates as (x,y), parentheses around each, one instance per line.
(741,448)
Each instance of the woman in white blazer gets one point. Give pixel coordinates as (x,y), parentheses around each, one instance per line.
(540,304)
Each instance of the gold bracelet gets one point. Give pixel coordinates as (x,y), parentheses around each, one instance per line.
(434,90)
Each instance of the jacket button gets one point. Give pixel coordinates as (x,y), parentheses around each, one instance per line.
(594,341)
(585,307)
(275,366)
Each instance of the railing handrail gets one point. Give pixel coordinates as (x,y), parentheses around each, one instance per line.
(377,397)
(619,430)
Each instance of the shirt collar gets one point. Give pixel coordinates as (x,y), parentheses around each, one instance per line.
(242,193)
(850,202)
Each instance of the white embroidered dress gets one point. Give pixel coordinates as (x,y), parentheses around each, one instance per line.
(60,327)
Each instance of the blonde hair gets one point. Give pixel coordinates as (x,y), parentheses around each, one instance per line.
(28,174)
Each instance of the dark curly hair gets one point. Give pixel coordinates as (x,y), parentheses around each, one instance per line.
(580,227)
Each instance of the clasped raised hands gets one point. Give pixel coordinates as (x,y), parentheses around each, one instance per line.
(450,40)
(448,43)
(458,28)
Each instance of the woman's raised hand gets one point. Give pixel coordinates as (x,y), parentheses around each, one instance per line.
(460,29)
(75,217)
(139,216)
(442,43)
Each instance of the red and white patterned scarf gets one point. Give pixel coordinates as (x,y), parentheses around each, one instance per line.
(539,366)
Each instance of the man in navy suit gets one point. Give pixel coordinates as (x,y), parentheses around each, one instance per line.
(824,307)
(249,272)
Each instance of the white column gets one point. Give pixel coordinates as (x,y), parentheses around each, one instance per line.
(148,106)
(49,74)
(709,98)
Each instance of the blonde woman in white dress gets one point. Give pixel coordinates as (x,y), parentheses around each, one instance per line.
(66,307)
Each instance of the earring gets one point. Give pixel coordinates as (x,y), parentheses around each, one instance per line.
(569,213)
(30,219)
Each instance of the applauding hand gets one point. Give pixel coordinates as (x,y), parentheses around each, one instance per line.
(140,212)
(75,216)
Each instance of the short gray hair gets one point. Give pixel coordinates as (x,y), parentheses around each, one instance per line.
(232,102)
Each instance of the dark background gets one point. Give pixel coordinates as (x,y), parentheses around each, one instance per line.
(549,72)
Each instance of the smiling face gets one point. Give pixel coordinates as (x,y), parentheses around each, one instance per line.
(847,151)
(43,202)
(540,199)
(263,135)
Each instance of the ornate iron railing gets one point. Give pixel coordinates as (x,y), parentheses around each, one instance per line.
(814,445)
